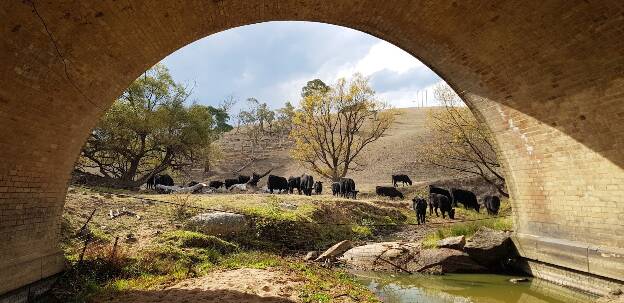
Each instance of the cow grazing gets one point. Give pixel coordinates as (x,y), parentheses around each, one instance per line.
(318,187)
(242,179)
(492,204)
(294,183)
(401,178)
(215,184)
(165,180)
(420,207)
(438,190)
(466,197)
(255,178)
(442,202)
(192,183)
(307,184)
(277,183)
(388,191)
(347,188)
(335,188)
(230,182)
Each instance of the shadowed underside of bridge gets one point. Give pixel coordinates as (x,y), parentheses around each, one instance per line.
(546,77)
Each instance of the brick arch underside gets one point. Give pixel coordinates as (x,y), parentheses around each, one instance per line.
(546,78)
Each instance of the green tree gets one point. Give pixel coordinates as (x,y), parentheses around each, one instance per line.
(334,125)
(148,130)
(313,86)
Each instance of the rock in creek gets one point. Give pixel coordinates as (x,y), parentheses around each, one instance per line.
(444,260)
(335,251)
(453,242)
(489,247)
(409,257)
(384,256)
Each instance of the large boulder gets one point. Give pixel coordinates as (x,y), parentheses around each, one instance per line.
(335,251)
(218,223)
(453,242)
(489,247)
(409,257)
(384,256)
(444,260)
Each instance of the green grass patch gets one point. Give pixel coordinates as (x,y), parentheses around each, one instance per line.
(466,229)
(326,285)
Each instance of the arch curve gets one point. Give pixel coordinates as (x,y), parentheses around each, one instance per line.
(546,78)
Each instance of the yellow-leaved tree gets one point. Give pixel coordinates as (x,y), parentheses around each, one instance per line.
(458,142)
(334,125)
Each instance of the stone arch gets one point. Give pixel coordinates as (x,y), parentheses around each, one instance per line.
(546,78)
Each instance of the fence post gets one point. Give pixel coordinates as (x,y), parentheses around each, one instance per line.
(87,240)
(112,257)
(84,226)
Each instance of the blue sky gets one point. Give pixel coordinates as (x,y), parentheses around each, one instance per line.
(272,61)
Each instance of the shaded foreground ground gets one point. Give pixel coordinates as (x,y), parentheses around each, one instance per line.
(239,285)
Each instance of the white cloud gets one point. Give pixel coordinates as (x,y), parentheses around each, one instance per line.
(272,61)
(410,97)
(383,56)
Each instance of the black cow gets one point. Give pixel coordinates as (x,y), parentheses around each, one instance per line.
(192,183)
(164,180)
(347,188)
(442,202)
(401,178)
(242,179)
(151,182)
(388,191)
(336,188)
(230,182)
(466,197)
(255,178)
(492,204)
(438,190)
(294,182)
(277,183)
(318,187)
(307,184)
(420,207)
(215,184)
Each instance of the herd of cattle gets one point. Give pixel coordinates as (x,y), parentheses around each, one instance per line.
(439,198)
(446,200)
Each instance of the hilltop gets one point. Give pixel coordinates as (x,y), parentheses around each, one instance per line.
(396,152)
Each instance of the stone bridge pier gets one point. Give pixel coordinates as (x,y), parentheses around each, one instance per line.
(546,77)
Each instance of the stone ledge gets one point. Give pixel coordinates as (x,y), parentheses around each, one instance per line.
(30,292)
(26,272)
(571,279)
(601,261)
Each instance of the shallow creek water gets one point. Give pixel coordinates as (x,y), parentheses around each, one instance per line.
(465,288)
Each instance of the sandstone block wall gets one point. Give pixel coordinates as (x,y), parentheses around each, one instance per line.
(546,77)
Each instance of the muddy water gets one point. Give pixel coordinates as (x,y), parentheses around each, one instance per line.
(465,288)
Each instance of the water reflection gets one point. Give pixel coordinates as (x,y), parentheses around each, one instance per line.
(465,288)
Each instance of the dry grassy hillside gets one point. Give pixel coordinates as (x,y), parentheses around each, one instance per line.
(396,152)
